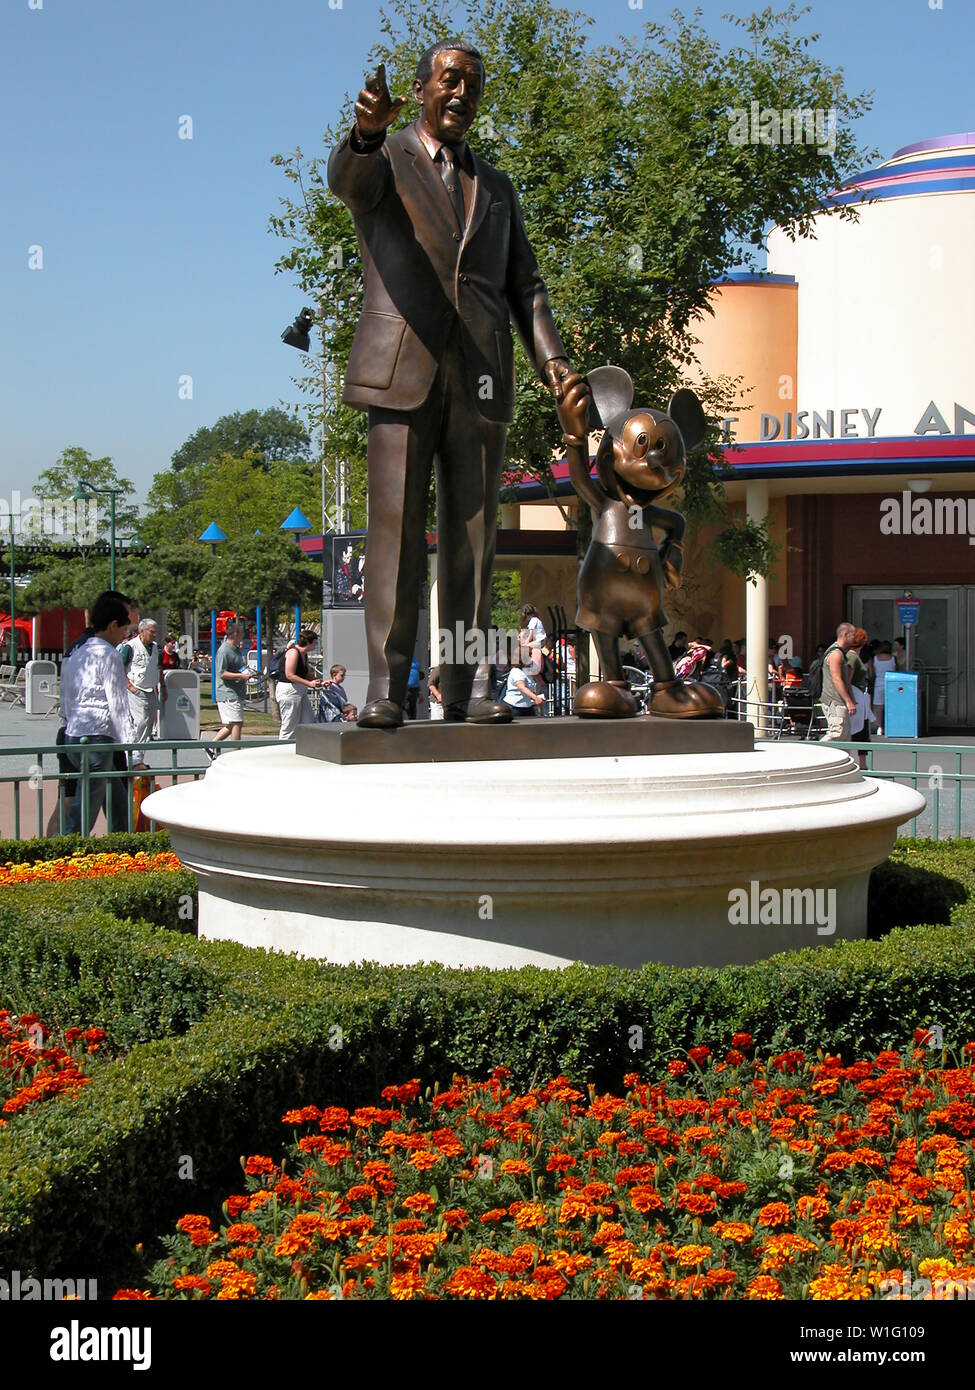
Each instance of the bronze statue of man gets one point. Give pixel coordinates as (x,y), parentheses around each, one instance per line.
(446,263)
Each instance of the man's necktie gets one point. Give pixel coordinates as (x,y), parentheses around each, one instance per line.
(451,181)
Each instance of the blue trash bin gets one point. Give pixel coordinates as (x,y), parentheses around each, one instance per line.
(901,704)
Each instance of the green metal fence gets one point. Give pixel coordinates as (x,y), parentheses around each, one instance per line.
(50,765)
(930,781)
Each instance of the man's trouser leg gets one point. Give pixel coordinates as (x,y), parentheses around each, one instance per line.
(99,757)
(469,464)
(401,448)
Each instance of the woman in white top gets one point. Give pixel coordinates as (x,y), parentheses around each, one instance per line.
(521,692)
(291,693)
(532,632)
(883,661)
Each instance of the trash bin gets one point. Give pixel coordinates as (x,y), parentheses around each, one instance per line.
(901,704)
(41,690)
(181,712)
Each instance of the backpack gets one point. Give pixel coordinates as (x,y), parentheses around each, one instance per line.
(812,685)
(275,667)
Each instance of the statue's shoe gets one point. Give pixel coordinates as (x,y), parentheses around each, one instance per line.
(676,700)
(605,700)
(381,714)
(480,710)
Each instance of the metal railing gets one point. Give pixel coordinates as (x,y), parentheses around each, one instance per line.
(61,773)
(930,781)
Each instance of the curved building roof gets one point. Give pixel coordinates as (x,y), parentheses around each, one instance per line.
(945,164)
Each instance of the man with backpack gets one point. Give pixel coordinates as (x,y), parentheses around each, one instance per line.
(836,697)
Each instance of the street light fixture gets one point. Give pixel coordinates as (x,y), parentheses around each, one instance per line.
(213,536)
(296,522)
(84,493)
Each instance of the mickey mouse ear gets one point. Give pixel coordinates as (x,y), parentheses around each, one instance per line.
(611,397)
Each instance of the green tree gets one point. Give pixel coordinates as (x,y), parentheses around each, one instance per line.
(635,197)
(168,576)
(272,435)
(235,492)
(93,524)
(268,570)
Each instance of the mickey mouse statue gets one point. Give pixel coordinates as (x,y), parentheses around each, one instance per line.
(623,577)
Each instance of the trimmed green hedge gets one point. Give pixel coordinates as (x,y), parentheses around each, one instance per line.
(222,1039)
(62,846)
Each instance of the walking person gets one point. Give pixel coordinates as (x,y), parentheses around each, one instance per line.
(143,680)
(96,708)
(837,698)
(883,662)
(232,674)
(292,691)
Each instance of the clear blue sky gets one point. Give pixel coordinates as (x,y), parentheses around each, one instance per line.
(157,261)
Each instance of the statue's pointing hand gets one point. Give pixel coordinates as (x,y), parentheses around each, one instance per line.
(375,109)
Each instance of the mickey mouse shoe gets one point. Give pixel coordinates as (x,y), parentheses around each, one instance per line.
(675,700)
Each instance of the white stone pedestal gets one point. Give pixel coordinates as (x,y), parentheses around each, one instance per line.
(608,860)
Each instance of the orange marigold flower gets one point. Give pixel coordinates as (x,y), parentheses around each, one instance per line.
(471,1282)
(495,1214)
(407,1285)
(515,1167)
(677,1067)
(419,1202)
(303,1116)
(362,1192)
(644,1199)
(698,1054)
(735,1231)
(423,1159)
(258,1163)
(191,1283)
(693,1254)
(408,1091)
(608,1230)
(333,1117)
(242,1231)
(812,1208)
(764,1287)
(530,1215)
(774,1214)
(456,1218)
(697,1203)
(219,1269)
(238,1285)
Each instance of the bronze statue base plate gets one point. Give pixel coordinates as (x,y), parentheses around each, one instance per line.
(432,742)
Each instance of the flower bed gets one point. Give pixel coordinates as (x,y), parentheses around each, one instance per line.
(85,866)
(728,1179)
(34,1068)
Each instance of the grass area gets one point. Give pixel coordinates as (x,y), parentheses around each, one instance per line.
(256,722)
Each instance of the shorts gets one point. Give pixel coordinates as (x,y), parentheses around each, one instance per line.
(231,711)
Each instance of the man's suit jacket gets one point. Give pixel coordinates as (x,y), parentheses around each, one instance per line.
(423,275)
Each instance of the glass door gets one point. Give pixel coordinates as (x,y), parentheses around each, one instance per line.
(939,640)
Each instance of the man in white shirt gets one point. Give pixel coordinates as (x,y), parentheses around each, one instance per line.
(96,707)
(140,659)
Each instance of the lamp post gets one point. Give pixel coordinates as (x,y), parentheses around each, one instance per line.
(213,536)
(296,523)
(84,493)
